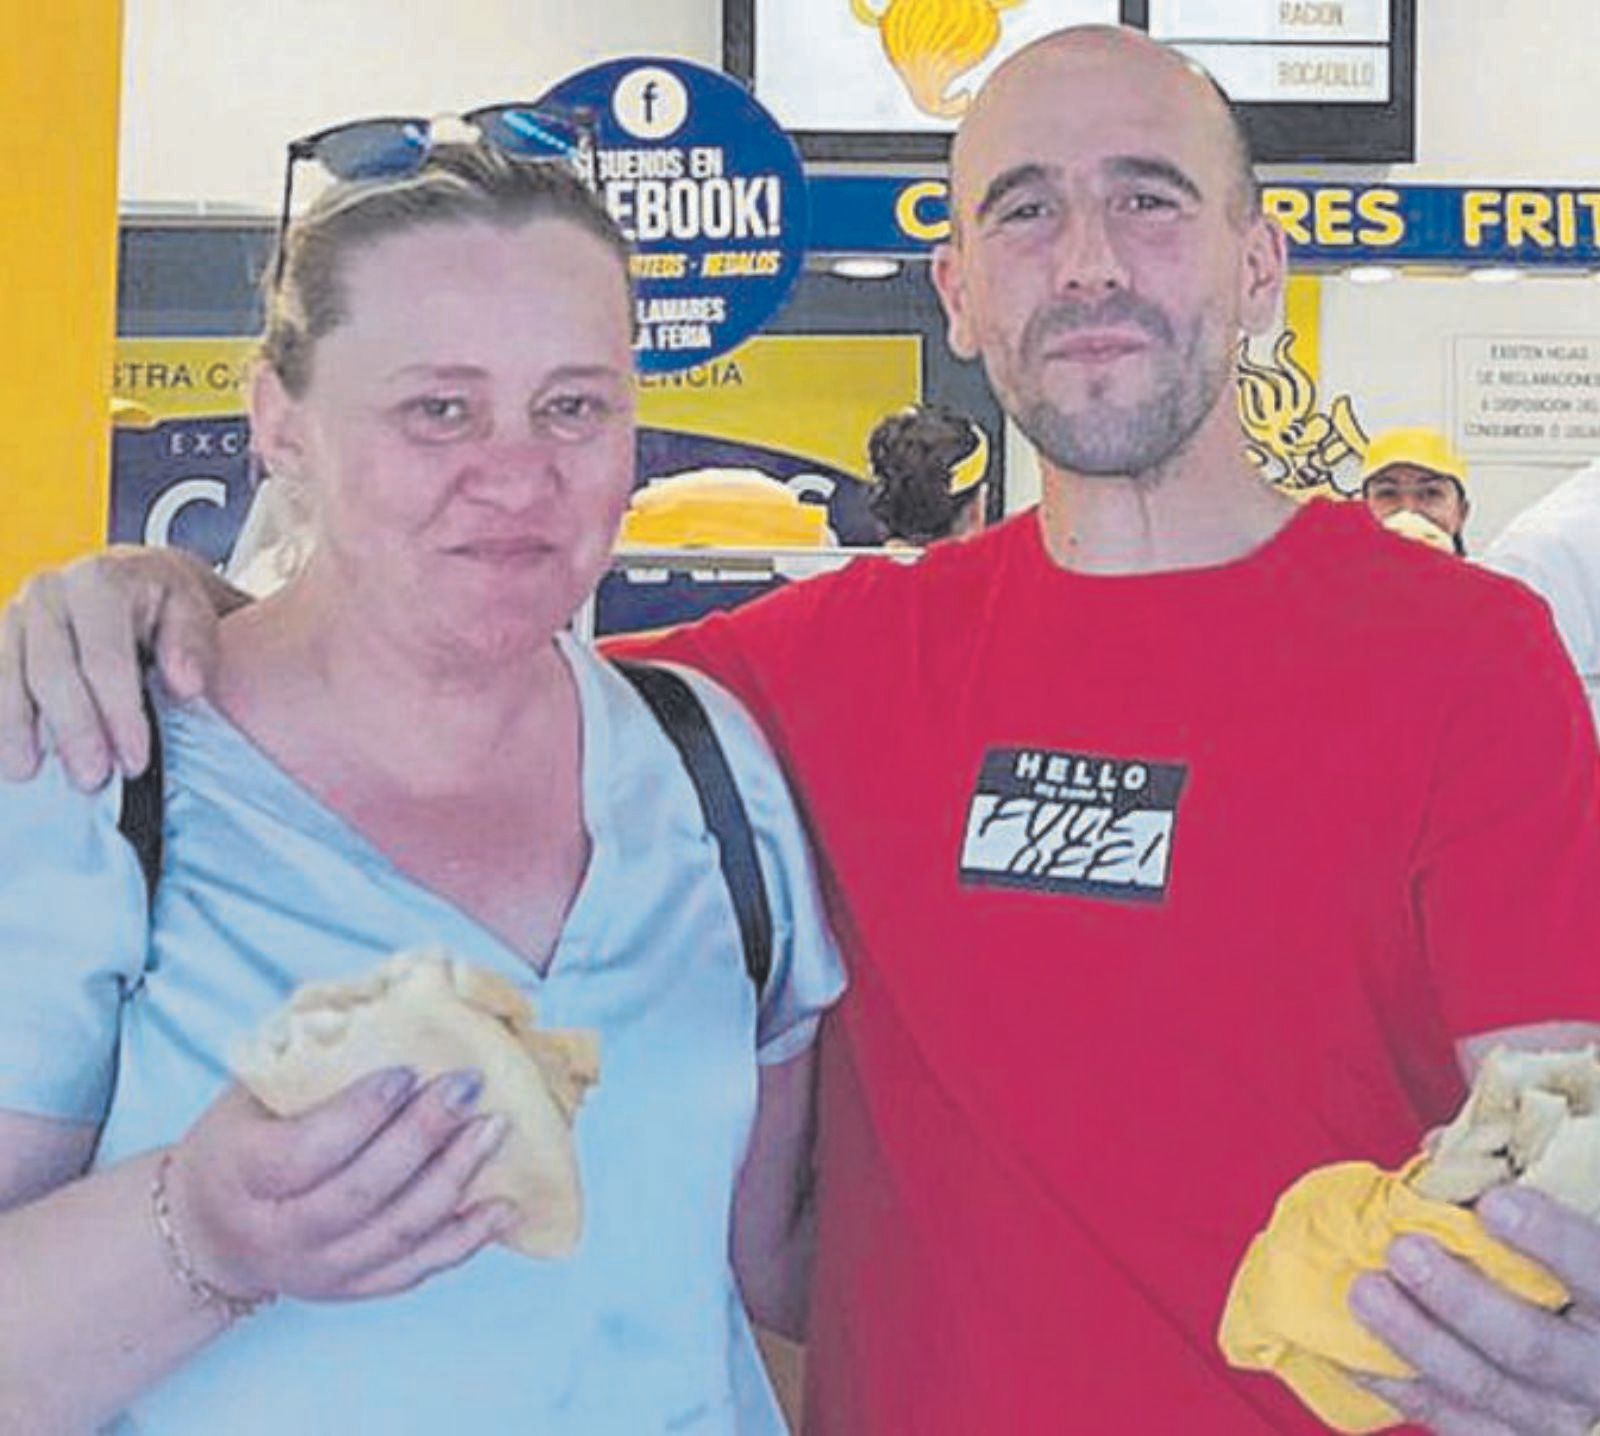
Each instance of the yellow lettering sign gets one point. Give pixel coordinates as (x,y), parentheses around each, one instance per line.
(1332,217)
(910,211)
(1480,212)
(1528,218)
(1333,213)
(658,266)
(1291,208)
(1566,220)
(1384,224)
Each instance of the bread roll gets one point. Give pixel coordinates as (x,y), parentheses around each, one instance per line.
(434,1014)
(1533,1118)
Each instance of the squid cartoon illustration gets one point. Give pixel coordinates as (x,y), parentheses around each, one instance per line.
(1296,446)
(932,43)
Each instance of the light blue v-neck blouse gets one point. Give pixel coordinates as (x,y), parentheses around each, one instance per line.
(105,1014)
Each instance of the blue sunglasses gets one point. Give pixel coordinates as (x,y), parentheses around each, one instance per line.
(391,147)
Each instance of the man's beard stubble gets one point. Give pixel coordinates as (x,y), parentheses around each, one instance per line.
(1103,438)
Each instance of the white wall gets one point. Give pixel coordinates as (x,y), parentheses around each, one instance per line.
(1506,91)
(1389,347)
(214,89)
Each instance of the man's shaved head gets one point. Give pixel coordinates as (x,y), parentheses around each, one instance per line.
(1105,45)
(1108,247)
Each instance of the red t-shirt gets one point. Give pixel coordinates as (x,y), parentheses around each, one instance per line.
(1155,892)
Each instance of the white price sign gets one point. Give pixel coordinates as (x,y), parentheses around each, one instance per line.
(1244,21)
(1298,74)
(1532,399)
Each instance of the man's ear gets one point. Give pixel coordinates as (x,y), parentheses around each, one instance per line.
(1263,269)
(277,425)
(951,283)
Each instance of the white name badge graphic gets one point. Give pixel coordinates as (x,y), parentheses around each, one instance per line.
(1072,823)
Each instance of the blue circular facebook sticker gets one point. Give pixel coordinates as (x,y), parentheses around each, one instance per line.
(711,192)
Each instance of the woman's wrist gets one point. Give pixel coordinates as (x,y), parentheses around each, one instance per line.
(180,1256)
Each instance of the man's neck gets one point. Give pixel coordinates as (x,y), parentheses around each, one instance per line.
(1206,506)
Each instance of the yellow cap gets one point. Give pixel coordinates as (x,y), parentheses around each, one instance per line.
(1421,448)
(969,472)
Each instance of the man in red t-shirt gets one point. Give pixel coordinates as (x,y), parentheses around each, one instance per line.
(1179,840)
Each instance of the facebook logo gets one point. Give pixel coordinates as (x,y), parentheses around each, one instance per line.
(650,103)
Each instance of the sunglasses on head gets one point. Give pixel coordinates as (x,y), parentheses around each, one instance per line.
(392,147)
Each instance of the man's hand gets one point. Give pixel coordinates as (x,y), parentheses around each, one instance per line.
(362,1196)
(1487,1363)
(69,647)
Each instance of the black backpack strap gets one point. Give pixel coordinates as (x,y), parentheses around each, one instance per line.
(140,819)
(684,718)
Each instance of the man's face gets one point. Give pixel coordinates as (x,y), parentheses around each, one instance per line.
(1106,257)
(1409,486)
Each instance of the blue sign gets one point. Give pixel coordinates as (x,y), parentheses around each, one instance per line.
(1341,224)
(878,214)
(1438,224)
(710,190)
(184,482)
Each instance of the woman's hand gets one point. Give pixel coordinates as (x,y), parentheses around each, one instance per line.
(69,645)
(359,1197)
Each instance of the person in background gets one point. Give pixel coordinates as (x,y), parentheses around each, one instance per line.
(929,465)
(403,746)
(1415,474)
(1554,547)
(1181,839)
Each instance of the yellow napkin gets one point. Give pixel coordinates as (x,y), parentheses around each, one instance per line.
(1420,527)
(1288,1311)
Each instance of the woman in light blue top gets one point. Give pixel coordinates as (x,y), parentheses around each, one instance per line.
(403,747)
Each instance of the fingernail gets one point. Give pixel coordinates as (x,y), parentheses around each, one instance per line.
(489,1133)
(506,1218)
(460,1090)
(1399,1394)
(1504,1210)
(1410,1258)
(395,1083)
(86,771)
(1368,1295)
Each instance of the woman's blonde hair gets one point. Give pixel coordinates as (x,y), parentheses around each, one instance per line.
(456,183)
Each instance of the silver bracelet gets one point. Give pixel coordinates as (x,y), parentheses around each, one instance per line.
(207,1293)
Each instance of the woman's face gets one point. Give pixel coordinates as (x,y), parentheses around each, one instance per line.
(467,433)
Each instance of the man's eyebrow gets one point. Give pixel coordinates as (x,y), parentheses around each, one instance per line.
(1007,181)
(1145,167)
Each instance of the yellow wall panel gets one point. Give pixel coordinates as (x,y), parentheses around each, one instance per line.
(60,73)
(814,395)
